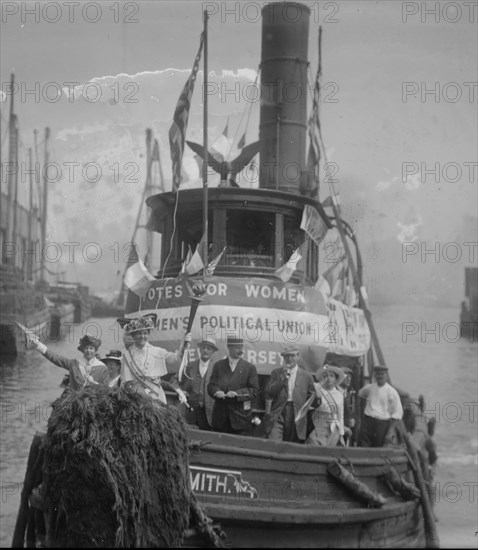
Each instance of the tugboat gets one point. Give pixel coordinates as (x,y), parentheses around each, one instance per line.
(261,289)
(265,493)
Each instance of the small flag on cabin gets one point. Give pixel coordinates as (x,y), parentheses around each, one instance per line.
(286,271)
(137,278)
(177,132)
(211,266)
(193,262)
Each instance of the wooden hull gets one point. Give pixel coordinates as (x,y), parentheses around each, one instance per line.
(279,495)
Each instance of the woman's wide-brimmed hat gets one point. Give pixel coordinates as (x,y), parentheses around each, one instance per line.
(339,373)
(147,322)
(88,340)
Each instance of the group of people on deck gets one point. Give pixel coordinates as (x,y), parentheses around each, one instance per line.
(221,395)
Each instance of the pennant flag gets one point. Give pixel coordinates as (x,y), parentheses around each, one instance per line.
(184,365)
(177,132)
(193,262)
(340,284)
(196,263)
(313,156)
(221,147)
(285,272)
(211,266)
(242,141)
(137,278)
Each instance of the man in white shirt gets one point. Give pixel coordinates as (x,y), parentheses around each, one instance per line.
(195,380)
(382,406)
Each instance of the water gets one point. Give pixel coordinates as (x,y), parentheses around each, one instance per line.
(444,371)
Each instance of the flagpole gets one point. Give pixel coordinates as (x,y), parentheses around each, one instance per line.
(206,154)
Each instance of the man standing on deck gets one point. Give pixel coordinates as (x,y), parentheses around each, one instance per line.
(288,389)
(382,406)
(195,382)
(234,386)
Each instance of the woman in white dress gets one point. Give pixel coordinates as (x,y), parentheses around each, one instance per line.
(328,416)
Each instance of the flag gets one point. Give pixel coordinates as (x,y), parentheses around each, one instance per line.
(184,364)
(177,132)
(301,413)
(285,272)
(221,148)
(193,262)
(211,266)
(137,278)
(340,284)
(242,141)
(196,263)
(313,156)
(329,282)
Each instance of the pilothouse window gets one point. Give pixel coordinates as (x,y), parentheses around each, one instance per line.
(250,238)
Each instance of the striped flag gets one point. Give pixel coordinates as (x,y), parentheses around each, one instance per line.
(177,132)
(313,156)
(137,278)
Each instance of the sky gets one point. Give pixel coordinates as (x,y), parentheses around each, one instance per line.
(399,112)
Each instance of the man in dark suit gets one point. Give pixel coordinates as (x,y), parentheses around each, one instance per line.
(234,386)
(195,381)
(288,389)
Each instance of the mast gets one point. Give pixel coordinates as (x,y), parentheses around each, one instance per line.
(45,203)
(30,217)
(12,157)
(206,154)
(148,260)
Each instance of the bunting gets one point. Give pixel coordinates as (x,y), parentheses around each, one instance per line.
(177,132)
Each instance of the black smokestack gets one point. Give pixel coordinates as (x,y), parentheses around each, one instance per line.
(283,123)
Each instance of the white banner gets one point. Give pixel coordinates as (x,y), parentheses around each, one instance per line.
(353,335)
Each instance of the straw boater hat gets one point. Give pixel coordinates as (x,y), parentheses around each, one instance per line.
(339,373)
(210,342)
(114,354)
(234,341)
(88,340)
(147,322)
